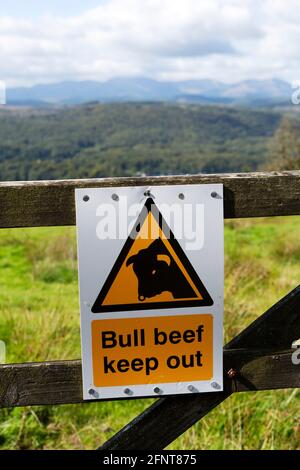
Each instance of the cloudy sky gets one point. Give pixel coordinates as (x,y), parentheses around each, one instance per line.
(226,40)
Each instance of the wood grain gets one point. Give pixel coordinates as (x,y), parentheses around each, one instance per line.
(50,203)
(60,382)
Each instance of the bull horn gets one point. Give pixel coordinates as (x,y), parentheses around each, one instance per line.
(165,258)
(130,260)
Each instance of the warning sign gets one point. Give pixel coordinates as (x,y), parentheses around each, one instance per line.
(151,290)
(152,270)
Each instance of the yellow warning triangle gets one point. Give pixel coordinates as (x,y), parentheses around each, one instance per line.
(152,271)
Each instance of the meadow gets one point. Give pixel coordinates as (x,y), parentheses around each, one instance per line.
(39,320)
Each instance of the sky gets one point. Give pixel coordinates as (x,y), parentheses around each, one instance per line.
(222,40)
(38,8)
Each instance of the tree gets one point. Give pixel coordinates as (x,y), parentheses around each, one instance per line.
(284,147)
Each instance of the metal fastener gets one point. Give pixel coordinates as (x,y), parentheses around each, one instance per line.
(181,196)
(157,390)
(191,388)
(232,373)
(214,194)
(127,391)
(86,198)
(147,193)
(91,391)
(216,386)
(115,197)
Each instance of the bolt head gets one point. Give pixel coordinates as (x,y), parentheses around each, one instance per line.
(232,373)
(115,197)
(191,388)
(214,194)
(157,390)
(216,386)
(86,198)
(91,391)
(181,196)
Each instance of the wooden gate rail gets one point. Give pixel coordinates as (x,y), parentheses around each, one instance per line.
(60,382)
(48,203)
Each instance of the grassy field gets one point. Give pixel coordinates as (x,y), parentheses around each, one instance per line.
(39,320)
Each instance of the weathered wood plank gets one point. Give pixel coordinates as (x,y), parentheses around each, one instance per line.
(43,383)
(249,370)
(154,429)
(59,382)
(50,203)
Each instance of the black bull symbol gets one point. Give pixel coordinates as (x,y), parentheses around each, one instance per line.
(157,272)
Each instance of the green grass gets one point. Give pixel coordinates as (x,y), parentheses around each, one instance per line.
(39,321)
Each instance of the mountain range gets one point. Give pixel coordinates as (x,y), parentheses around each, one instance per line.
(248,92)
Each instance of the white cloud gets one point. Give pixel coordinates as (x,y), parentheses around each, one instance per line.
(164,39)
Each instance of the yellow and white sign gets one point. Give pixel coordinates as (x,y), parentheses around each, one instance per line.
(151,289)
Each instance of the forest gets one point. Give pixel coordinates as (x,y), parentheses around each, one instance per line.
(98,140)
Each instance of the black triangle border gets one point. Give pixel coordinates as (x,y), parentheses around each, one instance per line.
(206,300)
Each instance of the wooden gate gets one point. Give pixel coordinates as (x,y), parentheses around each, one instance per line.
(259,358)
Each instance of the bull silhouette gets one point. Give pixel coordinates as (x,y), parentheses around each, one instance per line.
(157,272)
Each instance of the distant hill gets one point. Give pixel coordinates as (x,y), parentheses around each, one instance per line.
(250,92)
(132,138)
